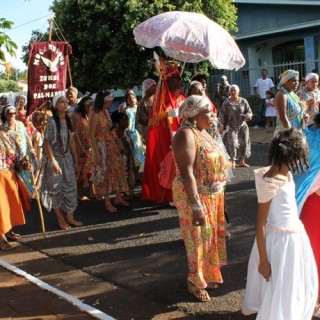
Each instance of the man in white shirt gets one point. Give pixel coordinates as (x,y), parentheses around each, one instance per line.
(262,85)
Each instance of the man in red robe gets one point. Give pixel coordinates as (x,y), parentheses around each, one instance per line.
(163,124)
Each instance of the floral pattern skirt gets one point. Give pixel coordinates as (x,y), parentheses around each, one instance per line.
(205,245)
(110,176)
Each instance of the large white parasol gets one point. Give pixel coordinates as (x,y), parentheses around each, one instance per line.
(190,37)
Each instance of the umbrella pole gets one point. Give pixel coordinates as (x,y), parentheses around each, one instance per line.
(38,200)
(182,69)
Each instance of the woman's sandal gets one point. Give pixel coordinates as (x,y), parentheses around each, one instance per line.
(110,208)
(5,245)
(13,236)
(200,295)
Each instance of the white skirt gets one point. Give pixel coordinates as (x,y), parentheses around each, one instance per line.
(292,290)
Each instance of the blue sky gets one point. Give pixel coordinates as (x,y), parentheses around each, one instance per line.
(27,15)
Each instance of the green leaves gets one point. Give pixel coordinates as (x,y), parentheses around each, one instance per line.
(100,32)
(5,41)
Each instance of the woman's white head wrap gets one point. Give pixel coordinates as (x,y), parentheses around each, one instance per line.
(56,98)
(286,76)
(7,108)
(311,75)
(193,105)
(146,85)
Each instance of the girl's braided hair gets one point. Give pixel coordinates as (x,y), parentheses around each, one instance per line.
(290,148)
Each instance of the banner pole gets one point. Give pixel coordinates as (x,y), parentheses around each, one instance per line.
(50,29)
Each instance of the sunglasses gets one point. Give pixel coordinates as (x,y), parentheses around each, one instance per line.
(10,113)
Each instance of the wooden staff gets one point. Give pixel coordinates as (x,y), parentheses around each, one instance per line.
(37,196)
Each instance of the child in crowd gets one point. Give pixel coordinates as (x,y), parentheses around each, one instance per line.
(271,113)
(121,123)
(282,280)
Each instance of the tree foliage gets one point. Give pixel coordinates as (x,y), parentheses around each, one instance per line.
(6,44)
(9,85)
(101,35)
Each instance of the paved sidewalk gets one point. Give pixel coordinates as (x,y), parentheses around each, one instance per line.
(21,299)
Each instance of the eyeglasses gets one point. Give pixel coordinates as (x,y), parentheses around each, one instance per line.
(11,113)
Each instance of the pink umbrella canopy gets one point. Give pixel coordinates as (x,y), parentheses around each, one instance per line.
(190,37)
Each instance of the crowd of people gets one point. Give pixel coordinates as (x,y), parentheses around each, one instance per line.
(183,149)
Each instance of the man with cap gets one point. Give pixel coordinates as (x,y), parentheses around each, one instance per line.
(262,85)
(222,90)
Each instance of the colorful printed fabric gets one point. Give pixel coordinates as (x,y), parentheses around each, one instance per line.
(19,134)
(135,136)
(110,176)
(83,159)
(205,246)
(305,182)
(294,111)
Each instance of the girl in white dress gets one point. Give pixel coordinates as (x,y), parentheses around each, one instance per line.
(282,276)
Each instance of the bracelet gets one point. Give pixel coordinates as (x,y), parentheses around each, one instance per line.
(197,207)
(194,198)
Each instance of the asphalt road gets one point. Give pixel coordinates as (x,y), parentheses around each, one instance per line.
(139,252)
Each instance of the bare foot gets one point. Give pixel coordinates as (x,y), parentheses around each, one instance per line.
(63,224)
(110,208)
(244,165)
(71,220)
(5,245)
(13,236)
(121,202)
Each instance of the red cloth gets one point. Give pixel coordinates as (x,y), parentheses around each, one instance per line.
(310,217)
(158,145)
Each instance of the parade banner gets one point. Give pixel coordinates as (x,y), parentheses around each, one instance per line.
(47,72)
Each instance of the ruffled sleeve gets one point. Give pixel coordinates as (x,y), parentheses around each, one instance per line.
(266,190)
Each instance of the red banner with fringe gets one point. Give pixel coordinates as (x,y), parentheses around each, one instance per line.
(47,72)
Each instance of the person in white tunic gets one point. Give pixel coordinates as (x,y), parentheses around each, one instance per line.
(282,275)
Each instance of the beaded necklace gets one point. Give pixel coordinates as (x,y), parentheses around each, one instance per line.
(63,151)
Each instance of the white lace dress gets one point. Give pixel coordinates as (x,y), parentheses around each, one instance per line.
(291,292)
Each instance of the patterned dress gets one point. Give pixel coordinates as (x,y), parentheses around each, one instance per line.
(110,176)
(14,196)
(138,147)
(236,137)
(83,160)
(294,112)
(205,245)
(19,133)
(59,190)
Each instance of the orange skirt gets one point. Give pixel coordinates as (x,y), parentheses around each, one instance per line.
(14,201)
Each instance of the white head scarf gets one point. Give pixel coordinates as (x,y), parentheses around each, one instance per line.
(193,105)
(56,98)
(146,85)
(311,75)
(7,108)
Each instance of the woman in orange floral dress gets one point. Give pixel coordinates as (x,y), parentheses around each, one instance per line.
(198,192)
(109,175)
